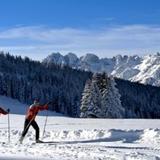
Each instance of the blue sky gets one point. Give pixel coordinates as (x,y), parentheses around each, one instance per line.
(36,28)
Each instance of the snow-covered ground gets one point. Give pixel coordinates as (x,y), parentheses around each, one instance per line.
(74,138)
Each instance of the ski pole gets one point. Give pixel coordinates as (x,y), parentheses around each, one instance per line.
(45,121)
(8,128)
(45,125)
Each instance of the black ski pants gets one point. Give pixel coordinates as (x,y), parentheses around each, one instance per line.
(29,123)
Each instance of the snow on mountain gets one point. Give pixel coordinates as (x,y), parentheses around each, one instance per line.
(78,139)
(125,67)
(89,62)
(149,70)
(71,59)
(144,69)
(56,58)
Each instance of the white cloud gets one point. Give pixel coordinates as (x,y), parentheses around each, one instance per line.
(129,39)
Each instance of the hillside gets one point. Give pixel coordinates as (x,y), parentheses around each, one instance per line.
(25,80)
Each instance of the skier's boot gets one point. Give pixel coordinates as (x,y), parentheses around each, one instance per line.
(38,141)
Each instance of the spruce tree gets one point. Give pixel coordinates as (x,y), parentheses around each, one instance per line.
(111,104)
(94,109)
(86,99)
(91,99)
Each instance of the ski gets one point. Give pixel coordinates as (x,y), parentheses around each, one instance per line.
(47,142)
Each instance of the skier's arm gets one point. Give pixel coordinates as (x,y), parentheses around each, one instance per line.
(45,107)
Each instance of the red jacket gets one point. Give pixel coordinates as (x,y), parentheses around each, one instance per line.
(2,111)
(33,111)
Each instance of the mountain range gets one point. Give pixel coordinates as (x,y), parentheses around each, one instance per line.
(144,69)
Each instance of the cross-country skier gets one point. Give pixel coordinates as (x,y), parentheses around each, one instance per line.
(2,111)
(30,119)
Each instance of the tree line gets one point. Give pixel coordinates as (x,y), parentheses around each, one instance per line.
(26,80)
(76,93)
(108,97)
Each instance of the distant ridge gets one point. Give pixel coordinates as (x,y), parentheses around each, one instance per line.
(144,69)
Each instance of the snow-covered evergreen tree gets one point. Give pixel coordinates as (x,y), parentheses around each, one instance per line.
(86,99)
(111,104)
(94,109)
(101,98)
(91,100)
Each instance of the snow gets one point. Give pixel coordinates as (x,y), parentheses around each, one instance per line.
(76,138)
(149,70)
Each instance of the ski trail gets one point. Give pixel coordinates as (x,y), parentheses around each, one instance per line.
(81,151)
(92,141)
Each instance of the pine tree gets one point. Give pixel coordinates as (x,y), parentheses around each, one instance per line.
(111,104)
(86,99)
(94,109)
(91,100)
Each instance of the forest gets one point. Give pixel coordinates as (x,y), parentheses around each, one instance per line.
(26,80)
(109,97)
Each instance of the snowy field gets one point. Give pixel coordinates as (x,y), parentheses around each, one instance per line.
(79,139)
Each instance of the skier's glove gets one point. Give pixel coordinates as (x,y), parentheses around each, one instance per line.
(8,110)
